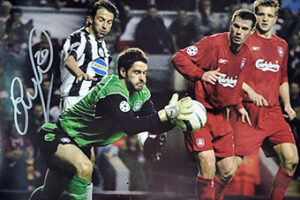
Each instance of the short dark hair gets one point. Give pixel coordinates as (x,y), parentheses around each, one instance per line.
(129,56)
(267,3)
(245,14)
(108,5)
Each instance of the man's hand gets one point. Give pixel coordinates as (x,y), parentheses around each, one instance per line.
(181,109)
(257,99)
(84,77)
(72,66)
(290,113)
(245,116)
(212,76)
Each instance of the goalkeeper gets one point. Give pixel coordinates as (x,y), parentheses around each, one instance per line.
(116,105)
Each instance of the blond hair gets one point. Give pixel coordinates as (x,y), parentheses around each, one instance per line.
(267,3)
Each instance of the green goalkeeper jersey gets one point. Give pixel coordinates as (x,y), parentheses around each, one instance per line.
(108,110)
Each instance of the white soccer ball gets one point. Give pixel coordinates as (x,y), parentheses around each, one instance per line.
(197,121)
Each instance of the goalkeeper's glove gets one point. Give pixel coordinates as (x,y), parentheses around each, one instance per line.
(181,109)
(153,147)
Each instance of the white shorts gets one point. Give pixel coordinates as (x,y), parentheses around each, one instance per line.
(67,102)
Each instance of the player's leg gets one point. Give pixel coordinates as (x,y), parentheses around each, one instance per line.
(284,146)
(63,156)
(199,143)
(90,186)
(54,184)
(206,172)
(226,167)
(227,163)
(207,143)
(288,157)
(225,170)
(70,158)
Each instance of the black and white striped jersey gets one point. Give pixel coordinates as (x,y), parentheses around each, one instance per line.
(92,58)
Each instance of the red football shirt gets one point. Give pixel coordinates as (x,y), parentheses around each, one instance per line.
(211,53)
(269,67)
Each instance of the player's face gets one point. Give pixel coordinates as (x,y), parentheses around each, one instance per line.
(102,23)
(136,76)
(240,29)
(266,18)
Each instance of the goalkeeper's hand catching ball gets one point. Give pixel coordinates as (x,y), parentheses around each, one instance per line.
(182,109)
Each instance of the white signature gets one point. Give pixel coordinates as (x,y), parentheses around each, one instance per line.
(21,106)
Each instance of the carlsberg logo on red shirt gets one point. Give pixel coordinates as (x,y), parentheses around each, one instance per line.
(227,81)
(267,66)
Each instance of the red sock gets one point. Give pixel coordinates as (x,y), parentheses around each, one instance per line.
(281,181)
(205,188)
(220,188)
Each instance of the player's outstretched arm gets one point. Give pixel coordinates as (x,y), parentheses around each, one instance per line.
(257,99)
(155,123)
(72,66)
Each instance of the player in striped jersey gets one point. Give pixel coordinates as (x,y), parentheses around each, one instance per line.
(116,105)
(85,55)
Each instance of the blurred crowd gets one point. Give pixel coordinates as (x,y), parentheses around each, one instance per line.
(194,20)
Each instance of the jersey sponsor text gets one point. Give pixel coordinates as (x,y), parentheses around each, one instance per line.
(222,61)
(226,81)
(99,66)
(267,66)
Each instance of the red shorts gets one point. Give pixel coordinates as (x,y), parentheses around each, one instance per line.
(269,128)
(216,135)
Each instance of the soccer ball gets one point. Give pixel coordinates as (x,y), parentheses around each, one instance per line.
(197,121)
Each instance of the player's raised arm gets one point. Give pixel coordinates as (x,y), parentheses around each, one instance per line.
(156,123)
